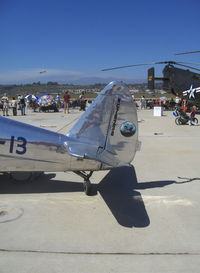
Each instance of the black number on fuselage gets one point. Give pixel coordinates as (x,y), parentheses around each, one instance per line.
(12,144)
(21,147)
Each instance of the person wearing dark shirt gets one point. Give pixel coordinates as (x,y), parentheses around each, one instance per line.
(82,101)
(23,105)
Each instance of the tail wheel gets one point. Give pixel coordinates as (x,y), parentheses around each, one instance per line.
(87,186)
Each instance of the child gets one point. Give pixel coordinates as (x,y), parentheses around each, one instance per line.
(192,115)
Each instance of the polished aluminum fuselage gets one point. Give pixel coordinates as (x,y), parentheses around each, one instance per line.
(27,148)
(105,136)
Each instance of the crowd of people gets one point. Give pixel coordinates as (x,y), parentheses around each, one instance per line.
(166,103)
(14,104)
(181,106)
(19,104)
(148,103)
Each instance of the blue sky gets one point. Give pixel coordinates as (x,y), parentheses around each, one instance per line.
(73,40)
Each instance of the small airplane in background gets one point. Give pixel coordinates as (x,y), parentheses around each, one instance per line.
(105,137)
(44,71)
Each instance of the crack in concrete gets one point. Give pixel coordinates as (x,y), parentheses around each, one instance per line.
(101,253)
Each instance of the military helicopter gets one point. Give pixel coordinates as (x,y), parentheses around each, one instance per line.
(105,137)
(181,82)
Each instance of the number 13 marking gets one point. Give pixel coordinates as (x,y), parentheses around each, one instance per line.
(21,147)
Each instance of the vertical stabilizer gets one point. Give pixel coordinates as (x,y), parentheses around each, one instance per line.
(108,130)
(151,78)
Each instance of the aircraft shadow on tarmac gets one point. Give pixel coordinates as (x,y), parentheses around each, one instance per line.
(117,188)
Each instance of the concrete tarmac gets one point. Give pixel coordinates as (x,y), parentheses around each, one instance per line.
(140,219)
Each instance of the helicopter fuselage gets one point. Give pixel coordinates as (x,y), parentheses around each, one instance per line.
(181,82)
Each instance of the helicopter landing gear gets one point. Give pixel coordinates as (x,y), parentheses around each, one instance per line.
(87,186)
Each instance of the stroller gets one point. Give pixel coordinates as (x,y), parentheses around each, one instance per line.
(182,118)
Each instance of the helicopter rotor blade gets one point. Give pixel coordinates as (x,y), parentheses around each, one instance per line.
(184,64)
(125,66)
(188,63)
(166,62)
(187,66)
(188,52)
(132,65)
(176,63)
(162,62)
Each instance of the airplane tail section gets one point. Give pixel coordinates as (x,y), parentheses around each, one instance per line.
(151,78)
(108,130)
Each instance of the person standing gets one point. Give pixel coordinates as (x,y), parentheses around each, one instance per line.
(143,102)
(184,106)
(5,103)
(66,99)
(82,100)
(58,102)
(18,101)
(23,105)
(178,101)
(14,106)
